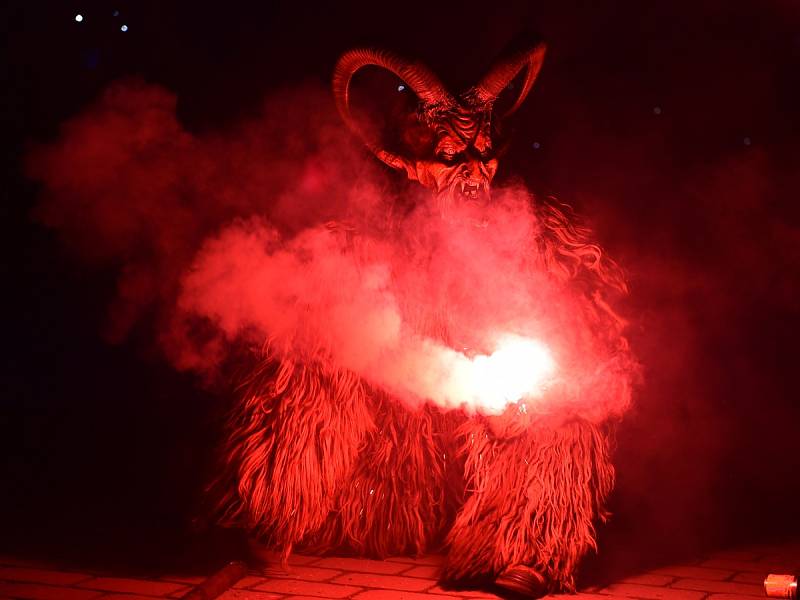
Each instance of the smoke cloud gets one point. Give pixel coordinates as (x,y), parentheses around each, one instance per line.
(278,232)
(127,187)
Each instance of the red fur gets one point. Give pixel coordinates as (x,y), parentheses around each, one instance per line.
(534,498)
(400,497)
(317,459)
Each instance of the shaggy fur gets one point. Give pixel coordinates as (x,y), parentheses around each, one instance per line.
(405,488)
(314,459)
(317,459)
(566,248)
(291,445)
(533,499)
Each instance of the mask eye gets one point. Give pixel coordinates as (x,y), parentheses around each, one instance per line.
(486,154)
(448,156)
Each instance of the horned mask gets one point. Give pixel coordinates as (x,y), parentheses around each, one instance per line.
(459,161)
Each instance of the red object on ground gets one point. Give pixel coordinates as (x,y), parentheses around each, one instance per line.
(781,586)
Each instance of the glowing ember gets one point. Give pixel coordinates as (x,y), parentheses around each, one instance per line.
(519,368)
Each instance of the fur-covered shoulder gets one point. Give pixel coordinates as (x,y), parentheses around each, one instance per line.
(569,251)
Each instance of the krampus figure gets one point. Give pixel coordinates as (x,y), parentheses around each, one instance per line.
(318,459)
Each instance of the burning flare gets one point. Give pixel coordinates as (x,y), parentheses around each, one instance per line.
(519,368)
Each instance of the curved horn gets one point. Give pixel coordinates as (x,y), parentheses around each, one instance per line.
(496,80)
(418,77)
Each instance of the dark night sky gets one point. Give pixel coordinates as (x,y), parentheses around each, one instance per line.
(673,126)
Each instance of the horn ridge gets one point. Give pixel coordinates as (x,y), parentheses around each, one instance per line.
(422,81)
(506,69)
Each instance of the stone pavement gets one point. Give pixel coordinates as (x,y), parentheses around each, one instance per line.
(729,575)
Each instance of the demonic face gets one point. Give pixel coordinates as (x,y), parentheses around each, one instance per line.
(463,163)
(459,162)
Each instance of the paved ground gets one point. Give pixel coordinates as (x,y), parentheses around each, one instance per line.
(729,575)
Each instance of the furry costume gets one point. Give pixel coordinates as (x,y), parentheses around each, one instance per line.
(318,459)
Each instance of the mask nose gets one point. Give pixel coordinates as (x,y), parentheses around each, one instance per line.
(471,171)
(474,179)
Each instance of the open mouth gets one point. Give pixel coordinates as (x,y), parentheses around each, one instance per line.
(466,193)
(471,191)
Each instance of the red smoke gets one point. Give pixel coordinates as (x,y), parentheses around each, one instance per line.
(126,185)
(280,232)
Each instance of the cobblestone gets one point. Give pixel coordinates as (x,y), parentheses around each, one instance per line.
(429,559)
(693,572)
(397,595)
(426,572)
(361,565)
(724,587)
(466,593)
(729,597)
(389,582)
(133,586)
(650,579)
(303,572)
(756,578)
(649,592)
(307,588)
(249,581)
(735,574)
(41,576)
(125,597)
(579,596)
(35,591)
(236,594)
(187,579)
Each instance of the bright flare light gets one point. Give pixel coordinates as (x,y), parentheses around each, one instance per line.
(519,368)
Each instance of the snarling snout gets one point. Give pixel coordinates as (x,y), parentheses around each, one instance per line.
(475,177)
(465,187)
(470,189)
